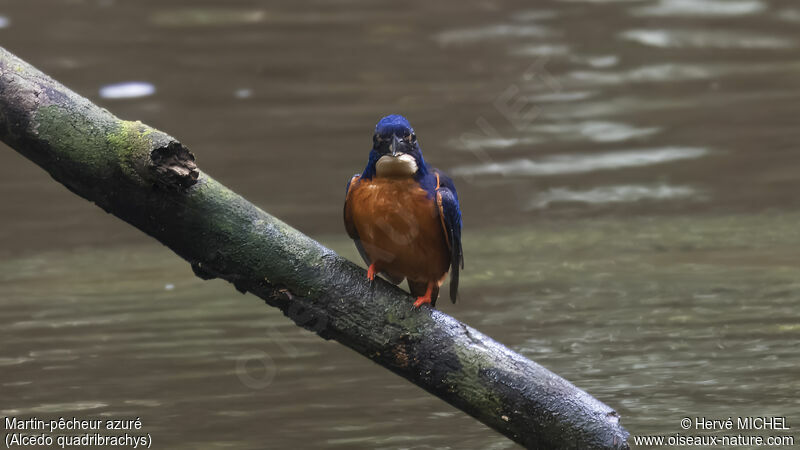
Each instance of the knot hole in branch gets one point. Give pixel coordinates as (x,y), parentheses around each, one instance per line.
(174,165)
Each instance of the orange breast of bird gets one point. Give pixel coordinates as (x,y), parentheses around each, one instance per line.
(400,229)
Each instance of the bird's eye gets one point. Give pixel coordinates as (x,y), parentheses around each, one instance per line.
(413,137)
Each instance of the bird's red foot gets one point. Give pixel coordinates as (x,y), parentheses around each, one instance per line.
(422,300)
(371,271)
(425,298)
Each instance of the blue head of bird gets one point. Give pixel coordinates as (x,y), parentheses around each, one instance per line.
(395,150)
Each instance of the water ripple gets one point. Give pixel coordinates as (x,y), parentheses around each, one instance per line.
(128,89)
(595,131)
(541,50)
(611,194)
(534,15)
(705,8)
(571,164)
(193,17)
(664,38)
(657,73)
(51,408)
(4,361)
(491,143)
(501,31)
(562,96)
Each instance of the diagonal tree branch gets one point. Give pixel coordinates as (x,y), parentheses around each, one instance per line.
(150,180)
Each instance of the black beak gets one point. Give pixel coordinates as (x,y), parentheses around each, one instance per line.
(396,146)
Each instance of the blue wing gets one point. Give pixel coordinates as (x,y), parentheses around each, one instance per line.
(450,214)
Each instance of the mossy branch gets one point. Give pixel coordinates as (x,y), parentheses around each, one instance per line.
(150,180)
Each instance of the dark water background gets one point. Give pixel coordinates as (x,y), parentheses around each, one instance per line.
(628,173)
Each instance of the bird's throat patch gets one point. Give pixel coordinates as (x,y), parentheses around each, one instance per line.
(396,166)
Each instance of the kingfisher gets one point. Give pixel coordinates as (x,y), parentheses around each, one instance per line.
(404,215)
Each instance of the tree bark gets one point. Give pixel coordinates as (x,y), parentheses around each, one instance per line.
(150,180)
